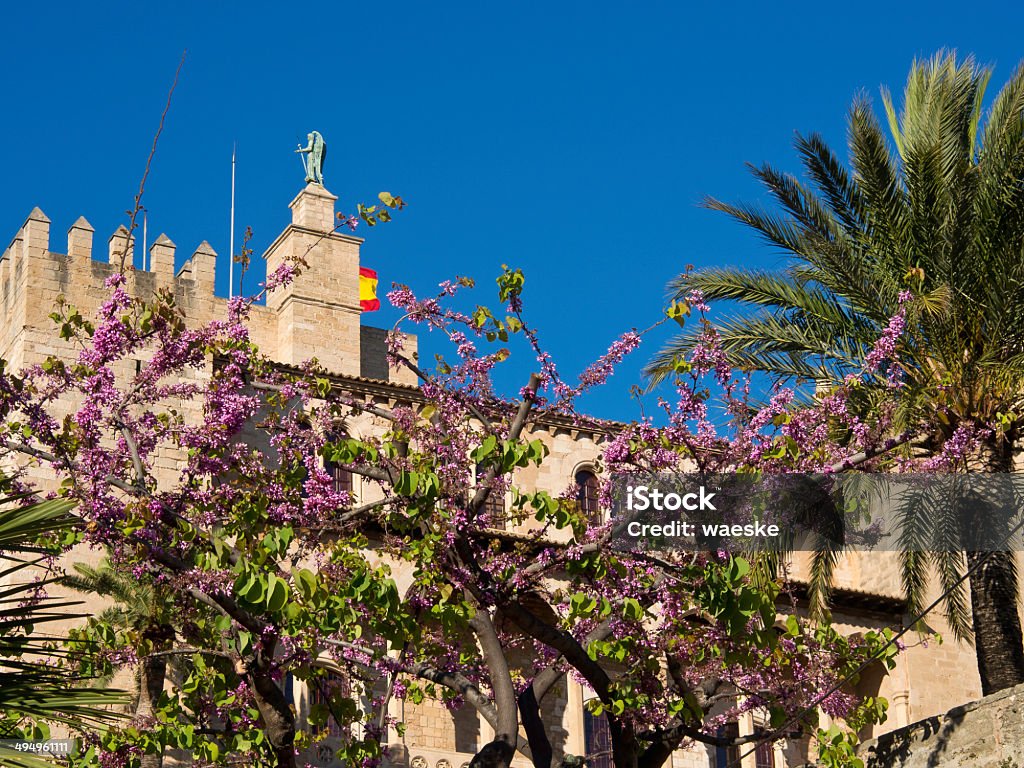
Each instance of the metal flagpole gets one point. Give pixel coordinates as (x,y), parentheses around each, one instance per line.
(231,247)
(145,242)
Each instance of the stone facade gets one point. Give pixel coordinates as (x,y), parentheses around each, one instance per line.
(319,316)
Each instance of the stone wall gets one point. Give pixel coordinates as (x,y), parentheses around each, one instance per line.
(988,733)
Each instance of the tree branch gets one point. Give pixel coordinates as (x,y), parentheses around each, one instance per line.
(501,677)
(515,430)
(133,452)
(474,697)
(425,377)
(42,455)
(544,681)
(859,458)
(149,163)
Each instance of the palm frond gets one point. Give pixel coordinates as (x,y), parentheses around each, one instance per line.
(828,174)
(21,525)
(932,201)
(32,686)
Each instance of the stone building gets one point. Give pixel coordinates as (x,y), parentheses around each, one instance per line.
(319,316)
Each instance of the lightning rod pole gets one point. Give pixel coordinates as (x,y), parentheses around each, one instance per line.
(231,246)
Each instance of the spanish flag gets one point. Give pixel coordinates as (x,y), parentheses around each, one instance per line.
(368,290)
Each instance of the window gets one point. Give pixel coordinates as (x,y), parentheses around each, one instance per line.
(289,688)
(494,507)
(725,757)
(588,491)
(597,740)
(341,476)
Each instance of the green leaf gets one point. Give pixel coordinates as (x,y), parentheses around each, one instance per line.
(307,582)
(739,568)
(244,643)
(407,483)
(277,593)
(631,609)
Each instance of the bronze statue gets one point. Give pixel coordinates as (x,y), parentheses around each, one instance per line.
(313,156)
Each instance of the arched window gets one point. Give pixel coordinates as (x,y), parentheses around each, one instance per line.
(341,476)
(494,507)
(764,752)
(588,491)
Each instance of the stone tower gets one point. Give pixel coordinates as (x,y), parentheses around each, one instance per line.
(322,303)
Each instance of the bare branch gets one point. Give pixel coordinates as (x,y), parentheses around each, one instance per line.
(515,430)
(193,651)
(133,452)
(149,162)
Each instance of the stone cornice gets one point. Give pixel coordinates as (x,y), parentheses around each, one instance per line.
(296,228)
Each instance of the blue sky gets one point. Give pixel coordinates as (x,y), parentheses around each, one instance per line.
(573,140)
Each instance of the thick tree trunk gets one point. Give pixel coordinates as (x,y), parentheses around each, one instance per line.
(995,590)
(625,749)
(499,752)
(658,753)
(152,675)
(998,640)
(495,754)
(536,734)
(277,715)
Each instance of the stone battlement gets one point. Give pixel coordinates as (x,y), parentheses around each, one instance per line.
(317,315)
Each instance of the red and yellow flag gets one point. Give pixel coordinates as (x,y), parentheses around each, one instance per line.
(368,290)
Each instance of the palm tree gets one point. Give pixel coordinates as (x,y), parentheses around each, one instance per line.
(939,211)
(32,688)
(144,610)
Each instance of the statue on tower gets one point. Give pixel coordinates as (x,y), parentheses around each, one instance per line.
(313,156)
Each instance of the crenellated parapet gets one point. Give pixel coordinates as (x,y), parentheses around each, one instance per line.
(316,315)
(33,277)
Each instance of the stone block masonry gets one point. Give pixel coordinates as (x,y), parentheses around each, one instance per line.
(988,733)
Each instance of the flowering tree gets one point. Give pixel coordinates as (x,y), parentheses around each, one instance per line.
(274,573)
